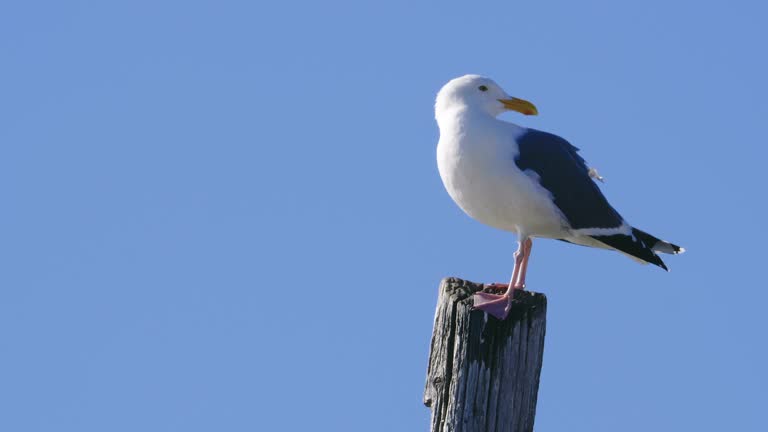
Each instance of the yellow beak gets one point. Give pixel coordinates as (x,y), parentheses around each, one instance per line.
(519,105)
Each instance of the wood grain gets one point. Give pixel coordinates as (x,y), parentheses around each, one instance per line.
(483,373)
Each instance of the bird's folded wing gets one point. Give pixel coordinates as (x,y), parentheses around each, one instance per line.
(566,176)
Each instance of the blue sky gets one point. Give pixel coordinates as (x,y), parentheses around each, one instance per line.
(228,216)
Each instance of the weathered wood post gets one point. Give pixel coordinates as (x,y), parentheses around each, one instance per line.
(483,373)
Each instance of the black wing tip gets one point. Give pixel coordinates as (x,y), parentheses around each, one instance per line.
(655,260)
(678,249)
(634,246)
(656,244)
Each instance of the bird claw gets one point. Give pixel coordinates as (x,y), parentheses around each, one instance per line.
(497,305)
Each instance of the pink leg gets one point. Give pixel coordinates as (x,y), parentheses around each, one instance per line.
(527,246)
(504,287)
(499,305)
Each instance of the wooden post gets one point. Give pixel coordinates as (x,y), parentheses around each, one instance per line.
(483,373)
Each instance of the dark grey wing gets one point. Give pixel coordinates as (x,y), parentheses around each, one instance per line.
(565,174)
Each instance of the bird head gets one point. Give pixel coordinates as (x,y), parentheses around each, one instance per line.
(479,93)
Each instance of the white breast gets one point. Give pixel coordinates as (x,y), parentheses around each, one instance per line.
(476,163)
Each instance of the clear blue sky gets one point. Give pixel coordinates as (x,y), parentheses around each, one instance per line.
(227,215)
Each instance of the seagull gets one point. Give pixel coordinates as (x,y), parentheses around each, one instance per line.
(525,181)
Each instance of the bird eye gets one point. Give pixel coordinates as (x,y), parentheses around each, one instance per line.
(483,88)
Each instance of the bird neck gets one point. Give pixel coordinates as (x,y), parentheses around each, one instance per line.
(460,117)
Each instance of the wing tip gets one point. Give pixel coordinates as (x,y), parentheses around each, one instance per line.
(633,246)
